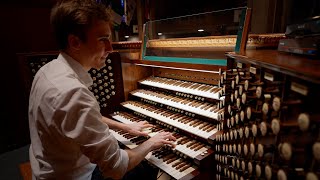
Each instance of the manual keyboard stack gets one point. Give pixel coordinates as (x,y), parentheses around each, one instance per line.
(189,110)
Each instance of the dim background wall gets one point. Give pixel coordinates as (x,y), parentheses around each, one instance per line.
(24,28)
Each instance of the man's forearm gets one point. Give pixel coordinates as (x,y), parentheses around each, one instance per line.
(137,154)
(113,124)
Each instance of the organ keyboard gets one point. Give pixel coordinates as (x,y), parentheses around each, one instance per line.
(204,90)
(173,161)
(165,159)
(193,126)
(184,144)
(193,106)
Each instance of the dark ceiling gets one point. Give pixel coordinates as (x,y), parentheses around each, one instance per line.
(172,8)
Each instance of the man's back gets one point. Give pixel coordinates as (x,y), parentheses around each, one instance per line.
(56,153)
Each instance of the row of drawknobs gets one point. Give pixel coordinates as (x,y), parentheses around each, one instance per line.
(266,132)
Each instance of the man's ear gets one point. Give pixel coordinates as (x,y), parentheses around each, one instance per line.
(74,42)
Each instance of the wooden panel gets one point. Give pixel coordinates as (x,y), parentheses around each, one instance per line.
(25,170)
(201,77)
(295,65)
(131,75)
(128,50)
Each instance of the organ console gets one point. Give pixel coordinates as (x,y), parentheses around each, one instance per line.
(240,115)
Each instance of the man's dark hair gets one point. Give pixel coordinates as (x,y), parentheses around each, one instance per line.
(75,17)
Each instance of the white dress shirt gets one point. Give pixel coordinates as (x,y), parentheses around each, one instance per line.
(68,137)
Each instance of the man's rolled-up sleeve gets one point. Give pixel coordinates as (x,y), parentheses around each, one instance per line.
(78,118)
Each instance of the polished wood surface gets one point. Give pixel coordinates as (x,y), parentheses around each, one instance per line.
(126,45)
(245,31)
(131,74)
(191,76)
(295,65)
(25,170)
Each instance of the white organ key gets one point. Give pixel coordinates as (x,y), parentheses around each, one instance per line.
(122,119)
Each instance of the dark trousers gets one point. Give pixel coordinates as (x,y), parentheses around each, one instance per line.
(142,171)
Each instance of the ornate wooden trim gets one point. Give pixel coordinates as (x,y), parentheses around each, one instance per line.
(127,45)
(254,40)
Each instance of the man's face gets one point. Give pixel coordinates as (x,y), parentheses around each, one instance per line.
(97,46)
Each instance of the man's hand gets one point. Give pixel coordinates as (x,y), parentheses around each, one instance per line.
(136,128)
(161,139)
(137,154)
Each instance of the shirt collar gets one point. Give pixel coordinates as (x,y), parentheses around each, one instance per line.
(82,74)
